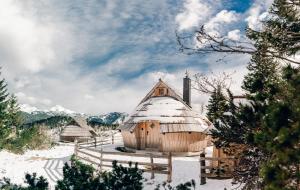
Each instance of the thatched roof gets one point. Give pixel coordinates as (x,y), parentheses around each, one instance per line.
(80,129)
(75,131)
(173,114)
(173,93)
(81,121)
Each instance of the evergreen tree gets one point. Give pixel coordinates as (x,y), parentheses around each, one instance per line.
(268,125)
(216,105)
(3,102)
(281,30)
(4,131)
(280,137)
(13,112)
(227,128)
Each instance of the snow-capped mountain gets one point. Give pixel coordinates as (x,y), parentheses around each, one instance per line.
(27,108)
(60,109)
(114,118)
(33,114)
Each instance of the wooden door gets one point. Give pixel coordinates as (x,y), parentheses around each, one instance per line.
(152,135)
(142,136)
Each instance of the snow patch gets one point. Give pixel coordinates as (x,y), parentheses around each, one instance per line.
(60,109)
(28,108)
(49,163)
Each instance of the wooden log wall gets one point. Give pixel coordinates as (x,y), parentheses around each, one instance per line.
(147,136)
(129,139)
(180,142)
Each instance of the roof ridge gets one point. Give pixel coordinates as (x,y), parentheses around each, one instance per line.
(177,94)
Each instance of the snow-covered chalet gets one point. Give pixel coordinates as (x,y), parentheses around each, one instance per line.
(164,121)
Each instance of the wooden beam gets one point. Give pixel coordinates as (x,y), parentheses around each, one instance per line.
(127,154)
(202,169)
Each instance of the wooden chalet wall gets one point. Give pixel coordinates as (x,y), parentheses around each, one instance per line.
(181,141)
(146,137)
(130,139)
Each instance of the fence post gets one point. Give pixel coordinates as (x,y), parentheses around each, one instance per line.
(112,138)
(101,158)
(169,167)
(202,169)
(152,166)
(95,141)
(75,148)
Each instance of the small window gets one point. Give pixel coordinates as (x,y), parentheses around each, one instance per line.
(161,91)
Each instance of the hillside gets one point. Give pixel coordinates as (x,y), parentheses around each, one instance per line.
(59,115)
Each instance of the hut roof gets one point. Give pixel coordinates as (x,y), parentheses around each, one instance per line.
(80,129)
(81,121)
(75,131)
(171,111)
(173,93)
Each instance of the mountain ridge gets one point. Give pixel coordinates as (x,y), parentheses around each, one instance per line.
(32,115)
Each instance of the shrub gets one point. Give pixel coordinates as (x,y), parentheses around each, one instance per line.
(125,178)
(33,182)
(28,138)
(80,176)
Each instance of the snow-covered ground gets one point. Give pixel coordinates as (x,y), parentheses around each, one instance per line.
(49,163)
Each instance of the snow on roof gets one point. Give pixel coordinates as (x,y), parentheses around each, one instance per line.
(172,93)
(81,121)
(173,115)
(75,131)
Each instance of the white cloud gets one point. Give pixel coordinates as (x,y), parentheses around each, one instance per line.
(63,52)
(154,76)
(195,12)
(225,16)
(89,97)
(24,98)
(24,42)
(129,62)
(257,13)
(20,95)
(234,35)
(216,24)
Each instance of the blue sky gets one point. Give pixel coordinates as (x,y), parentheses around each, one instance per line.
(98,56)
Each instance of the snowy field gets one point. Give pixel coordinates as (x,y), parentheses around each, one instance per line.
(49,163)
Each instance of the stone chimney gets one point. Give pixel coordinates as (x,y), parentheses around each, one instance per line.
(187,89)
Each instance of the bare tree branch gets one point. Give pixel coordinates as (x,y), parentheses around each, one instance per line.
(208,43)
(208,84)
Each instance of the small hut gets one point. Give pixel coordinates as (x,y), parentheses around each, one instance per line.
(164,121)
(79,130)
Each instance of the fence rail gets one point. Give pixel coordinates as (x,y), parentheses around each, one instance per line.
(101,159)
(96,141)
(91,151)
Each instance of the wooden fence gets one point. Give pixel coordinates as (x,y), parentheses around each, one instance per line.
(216,167)
(152,163)
(98,141)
